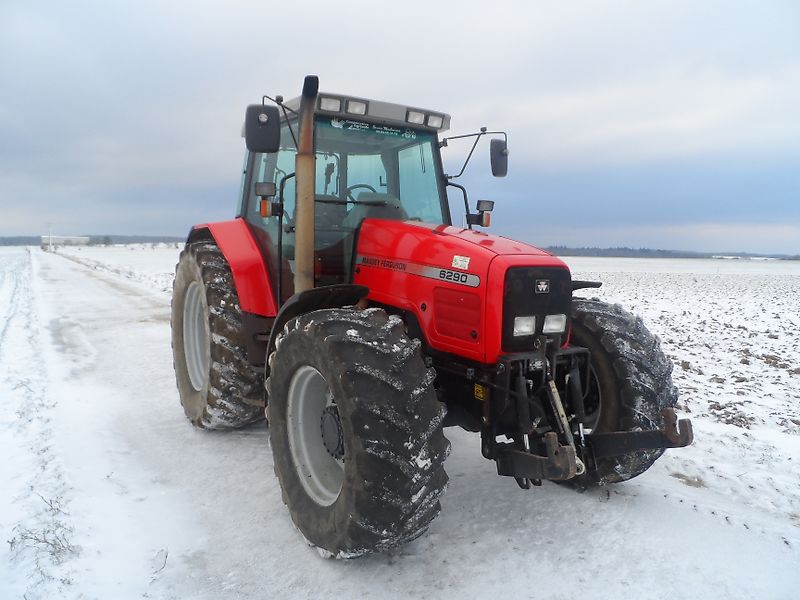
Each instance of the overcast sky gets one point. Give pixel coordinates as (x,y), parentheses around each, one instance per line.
(658,124)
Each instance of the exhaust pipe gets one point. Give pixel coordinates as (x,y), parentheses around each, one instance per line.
(305,170)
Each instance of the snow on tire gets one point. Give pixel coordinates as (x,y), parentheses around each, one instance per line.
(356,431)
(218,387)
(631,382)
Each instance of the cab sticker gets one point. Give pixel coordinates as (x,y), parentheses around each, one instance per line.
(461,262)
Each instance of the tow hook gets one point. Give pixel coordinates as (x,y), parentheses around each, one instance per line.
(679,433)
(674,434)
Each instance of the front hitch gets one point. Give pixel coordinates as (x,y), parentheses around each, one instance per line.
(560,462)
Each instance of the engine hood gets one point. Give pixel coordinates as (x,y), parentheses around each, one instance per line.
(496,244)
(451,280)
(437,245)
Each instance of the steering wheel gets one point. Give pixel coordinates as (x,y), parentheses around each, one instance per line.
(348,193)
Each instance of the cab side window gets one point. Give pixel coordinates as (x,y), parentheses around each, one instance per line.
(259,169)
(275,168)
(282,168)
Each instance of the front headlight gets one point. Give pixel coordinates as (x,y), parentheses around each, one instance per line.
(524,326)
(554,324)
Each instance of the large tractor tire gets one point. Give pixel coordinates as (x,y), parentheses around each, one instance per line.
(630,382)
(356,431)
(218,387)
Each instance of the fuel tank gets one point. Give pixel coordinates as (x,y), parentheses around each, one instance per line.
(454,281)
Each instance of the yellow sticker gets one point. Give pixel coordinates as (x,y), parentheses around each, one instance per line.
(481,392)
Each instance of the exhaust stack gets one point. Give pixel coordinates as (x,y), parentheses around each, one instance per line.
(305,169)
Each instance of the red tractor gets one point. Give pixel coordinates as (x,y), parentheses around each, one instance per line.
(343,303)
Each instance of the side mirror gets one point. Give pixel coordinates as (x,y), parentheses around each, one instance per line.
(498,152)
(262,128)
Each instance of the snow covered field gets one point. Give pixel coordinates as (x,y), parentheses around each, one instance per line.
(108,492)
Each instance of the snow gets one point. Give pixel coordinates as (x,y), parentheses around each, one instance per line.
(150,265)
(110,493)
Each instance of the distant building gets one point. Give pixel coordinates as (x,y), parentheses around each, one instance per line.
(53,241)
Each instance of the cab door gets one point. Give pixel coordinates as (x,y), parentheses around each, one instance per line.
(269,232)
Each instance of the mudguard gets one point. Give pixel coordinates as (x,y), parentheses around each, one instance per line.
(250,276)
(330,296)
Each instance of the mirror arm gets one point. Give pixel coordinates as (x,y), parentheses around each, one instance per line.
(469,156)
(466,201)
(477,136)
(289,125)
(279,101)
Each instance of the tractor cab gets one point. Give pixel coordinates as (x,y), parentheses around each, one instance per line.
(371,160)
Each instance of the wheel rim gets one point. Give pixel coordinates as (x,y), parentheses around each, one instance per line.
(309,405)
(195,336)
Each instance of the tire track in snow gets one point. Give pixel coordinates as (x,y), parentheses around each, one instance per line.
(104,339)
(35,516)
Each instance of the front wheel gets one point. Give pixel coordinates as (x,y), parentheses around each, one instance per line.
(356,431)
(630,383)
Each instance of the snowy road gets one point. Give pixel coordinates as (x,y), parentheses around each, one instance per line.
(110,493)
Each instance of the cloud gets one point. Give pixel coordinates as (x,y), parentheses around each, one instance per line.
(109,112)
(663,117)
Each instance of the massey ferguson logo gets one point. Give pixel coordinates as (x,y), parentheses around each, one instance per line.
(542,286)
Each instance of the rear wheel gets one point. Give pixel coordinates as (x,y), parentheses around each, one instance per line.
(218,387)
(630,382)
(356,431)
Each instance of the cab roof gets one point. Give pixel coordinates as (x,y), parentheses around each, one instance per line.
(376,111)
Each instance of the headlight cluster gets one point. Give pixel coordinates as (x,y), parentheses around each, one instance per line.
(419,118)
(527,325)
(524,326)
(353,107)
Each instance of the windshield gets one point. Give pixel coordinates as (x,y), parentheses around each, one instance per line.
(368,164)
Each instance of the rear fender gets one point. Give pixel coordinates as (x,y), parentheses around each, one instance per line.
(240,249)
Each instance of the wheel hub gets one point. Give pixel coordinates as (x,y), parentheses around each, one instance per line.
(331,427)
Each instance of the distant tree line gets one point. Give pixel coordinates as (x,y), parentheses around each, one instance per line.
(34,240)
(20,240)
(625,252)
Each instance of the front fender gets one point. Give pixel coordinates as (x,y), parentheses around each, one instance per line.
(329,296)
